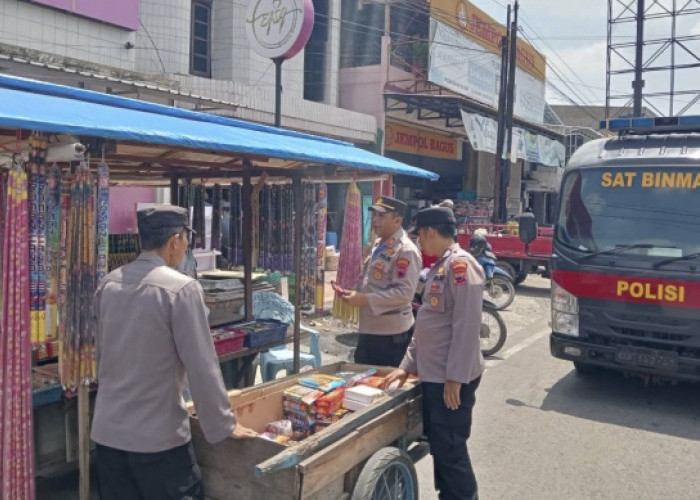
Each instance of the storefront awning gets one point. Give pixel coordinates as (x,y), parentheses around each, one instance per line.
(431,107)
(57,109)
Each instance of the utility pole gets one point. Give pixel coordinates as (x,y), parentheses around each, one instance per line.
(510,97)
(500,137)
(638,83)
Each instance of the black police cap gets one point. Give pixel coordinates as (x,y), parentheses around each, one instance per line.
(433,216)
(386,204)
(163,215)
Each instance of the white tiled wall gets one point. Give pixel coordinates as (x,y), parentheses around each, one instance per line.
(163,40)
(162,47)
(57,33)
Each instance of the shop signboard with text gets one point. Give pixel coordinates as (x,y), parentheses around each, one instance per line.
(405,139)
(478,26)
(122,13)
(465,58)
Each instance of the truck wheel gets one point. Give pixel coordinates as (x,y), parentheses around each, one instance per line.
(389,474)
(519,278)
(507,267)
(584,368)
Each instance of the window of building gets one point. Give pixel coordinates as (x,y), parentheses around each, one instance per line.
(316,53)
(200,50)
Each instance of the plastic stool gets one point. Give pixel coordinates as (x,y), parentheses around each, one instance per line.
(281,358)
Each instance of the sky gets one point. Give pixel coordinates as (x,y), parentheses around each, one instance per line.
(572,34)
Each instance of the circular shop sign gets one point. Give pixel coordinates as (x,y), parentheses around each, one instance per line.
(279,28)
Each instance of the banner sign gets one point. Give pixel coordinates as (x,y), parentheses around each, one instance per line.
(535,148)
(481,131)
(419,142)
(464,66)
(478,26)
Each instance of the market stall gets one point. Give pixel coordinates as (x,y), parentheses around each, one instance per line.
(128,143)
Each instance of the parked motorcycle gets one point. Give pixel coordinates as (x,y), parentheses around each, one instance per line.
(493,329)
(499,288)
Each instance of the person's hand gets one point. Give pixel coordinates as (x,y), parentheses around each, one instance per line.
(398,374)
(241,432)
(355,299)
(451,394)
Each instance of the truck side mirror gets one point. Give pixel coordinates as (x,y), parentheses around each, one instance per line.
(527,227)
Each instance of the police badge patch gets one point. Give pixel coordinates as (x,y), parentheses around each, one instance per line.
(459,272)
(402,267)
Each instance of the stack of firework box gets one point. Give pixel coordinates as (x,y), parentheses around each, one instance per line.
(313,404)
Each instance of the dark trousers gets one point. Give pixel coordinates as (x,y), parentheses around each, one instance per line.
(382,350)
(170,474)
(447,431)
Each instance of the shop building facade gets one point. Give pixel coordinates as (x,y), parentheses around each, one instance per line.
(430,75)
(188,53)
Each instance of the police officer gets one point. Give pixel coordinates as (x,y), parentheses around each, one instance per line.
(152,329)
(385,293)
(445,352)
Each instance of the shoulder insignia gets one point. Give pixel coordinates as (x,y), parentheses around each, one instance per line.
(402,264)
(459,272)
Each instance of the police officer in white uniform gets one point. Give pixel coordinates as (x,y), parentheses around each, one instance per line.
(445,352)
(384,295)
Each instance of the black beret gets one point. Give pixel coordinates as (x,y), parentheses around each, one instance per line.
(163,215)
(433,216)
(387,204)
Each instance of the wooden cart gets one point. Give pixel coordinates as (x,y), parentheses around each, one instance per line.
(366,455)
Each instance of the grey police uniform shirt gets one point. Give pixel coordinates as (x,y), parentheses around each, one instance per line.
(389,280)
(152,329)
(446,343)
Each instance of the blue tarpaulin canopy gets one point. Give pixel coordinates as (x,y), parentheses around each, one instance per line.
(45,107)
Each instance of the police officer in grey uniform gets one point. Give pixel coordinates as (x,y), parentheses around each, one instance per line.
(384,295)
(152,328)
(446,353)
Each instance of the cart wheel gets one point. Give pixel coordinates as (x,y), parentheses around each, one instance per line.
(389,474)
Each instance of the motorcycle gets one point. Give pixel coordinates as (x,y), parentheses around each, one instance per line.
(493,329)
(499,288)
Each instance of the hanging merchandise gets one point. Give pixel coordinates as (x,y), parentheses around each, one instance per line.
(287,228)
(216,218)
(265,229)
(308,244)
(37,236)
(53,249)
(198,218)
(123,249)
(321,223)
(350,262)
(76,328)
(16,432)
(235,228)
(102,221)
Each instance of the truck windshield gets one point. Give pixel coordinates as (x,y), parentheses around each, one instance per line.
(655,211)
